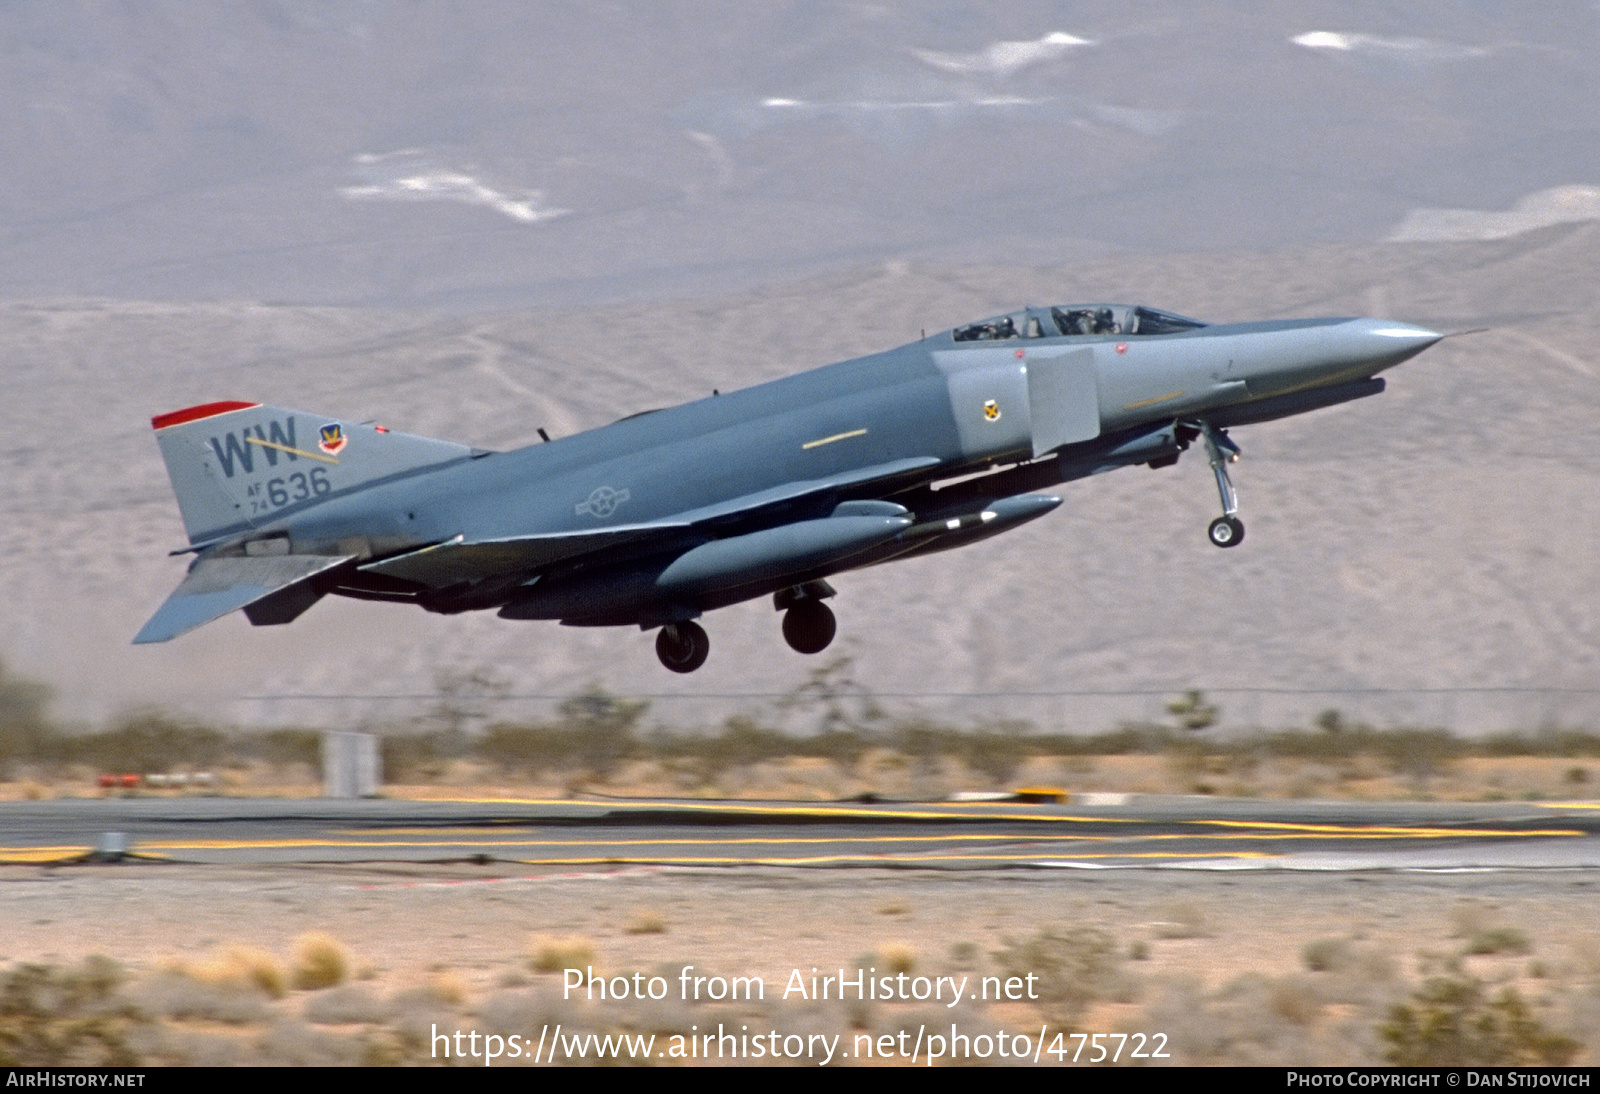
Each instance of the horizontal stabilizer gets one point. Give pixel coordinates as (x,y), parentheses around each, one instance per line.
(217,585)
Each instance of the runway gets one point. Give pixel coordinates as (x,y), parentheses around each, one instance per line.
(1108,832)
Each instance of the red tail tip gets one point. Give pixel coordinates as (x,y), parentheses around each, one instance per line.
(195,413)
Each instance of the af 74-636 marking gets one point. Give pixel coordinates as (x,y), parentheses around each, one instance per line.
(661,517)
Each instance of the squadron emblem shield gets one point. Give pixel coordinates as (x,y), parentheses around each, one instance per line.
(991,411)
(331,439)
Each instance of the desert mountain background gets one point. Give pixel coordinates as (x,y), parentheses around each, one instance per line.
(474,222)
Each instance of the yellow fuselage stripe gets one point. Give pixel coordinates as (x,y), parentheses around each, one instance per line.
(835,437)
(1153,402)
(291,451)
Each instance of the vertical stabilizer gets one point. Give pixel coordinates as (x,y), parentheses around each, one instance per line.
(236,465)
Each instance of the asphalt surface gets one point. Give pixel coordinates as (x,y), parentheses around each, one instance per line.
(1104,832)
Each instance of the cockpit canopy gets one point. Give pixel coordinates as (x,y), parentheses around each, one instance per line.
(1076,320)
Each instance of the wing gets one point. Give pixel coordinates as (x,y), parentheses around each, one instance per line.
(270,588)
(462,559)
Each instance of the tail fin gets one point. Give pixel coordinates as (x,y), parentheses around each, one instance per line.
(237,465)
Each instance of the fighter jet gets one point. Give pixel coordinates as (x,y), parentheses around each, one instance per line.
(658,518)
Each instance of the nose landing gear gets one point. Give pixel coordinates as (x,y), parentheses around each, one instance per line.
(1227,530)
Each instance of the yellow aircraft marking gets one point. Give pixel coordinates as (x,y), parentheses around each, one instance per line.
(835,437)
(291,451)
(1153,402)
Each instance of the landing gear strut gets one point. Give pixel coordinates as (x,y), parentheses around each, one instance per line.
(1227,530)
(683,647)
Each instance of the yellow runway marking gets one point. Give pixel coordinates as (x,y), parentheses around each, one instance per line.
(811,860)
(990,837)
(951,810)
(41,854)
(1376,831)
(1207,837)
(1022,840)
(1025,837)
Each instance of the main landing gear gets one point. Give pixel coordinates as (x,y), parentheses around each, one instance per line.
(808,627)
(683,647)
(808,623)
(1227,530)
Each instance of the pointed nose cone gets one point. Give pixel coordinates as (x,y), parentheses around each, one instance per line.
(1390,343)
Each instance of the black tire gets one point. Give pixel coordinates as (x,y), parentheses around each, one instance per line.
(809,626)
(1226,532)
(683,647)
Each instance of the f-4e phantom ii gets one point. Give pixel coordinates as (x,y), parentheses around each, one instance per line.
(769,491)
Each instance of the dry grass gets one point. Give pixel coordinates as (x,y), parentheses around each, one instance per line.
(444,987)
(897,957)
(888,773)
(239,968)
(1350,1009)
(646,922)
(1181,919)
(320,961)
(547,953)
